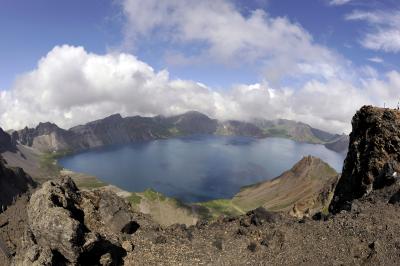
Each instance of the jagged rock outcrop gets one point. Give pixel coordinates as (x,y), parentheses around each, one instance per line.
(6,142)
(70,227)
(13,182)
(373,159)
(47,137)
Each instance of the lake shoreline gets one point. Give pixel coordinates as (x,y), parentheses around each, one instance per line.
(220,157)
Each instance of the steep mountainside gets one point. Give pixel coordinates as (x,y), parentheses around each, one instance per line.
(115,129)
(190,123)
(238,128)
(373,159)
(294,130)
(13,182)
(47,137)
(306,188)
(6,143)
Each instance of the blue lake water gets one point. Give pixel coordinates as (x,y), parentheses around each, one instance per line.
(196,168)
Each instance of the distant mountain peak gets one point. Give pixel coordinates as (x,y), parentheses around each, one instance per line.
(113,117)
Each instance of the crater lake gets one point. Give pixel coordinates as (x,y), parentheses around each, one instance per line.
(196,168)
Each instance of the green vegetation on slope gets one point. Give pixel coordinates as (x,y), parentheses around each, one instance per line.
(219,207)
(277,132)
(153,195)
(174,131)
(48,162)
(88,183)
(134,199)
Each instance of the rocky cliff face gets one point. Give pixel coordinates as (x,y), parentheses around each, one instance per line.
(373,159)
(6,142)
(13,182)
(47,137)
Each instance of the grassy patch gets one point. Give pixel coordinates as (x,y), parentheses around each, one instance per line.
(134,199)
(282,206)
(277,132)
(89,183)
(48,162)
(220,207)
(153,195)
(174,131)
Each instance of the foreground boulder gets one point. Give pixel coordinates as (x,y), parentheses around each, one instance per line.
(373,158)
(71,227)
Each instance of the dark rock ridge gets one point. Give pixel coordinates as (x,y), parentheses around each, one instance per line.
(66,226)
(118,130)
(373,158)
(13,182)
(48,137)
(6,142)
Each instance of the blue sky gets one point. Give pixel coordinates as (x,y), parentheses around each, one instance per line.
(228,58)
(30,29)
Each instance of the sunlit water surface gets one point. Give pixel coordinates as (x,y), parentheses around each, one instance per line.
(196,168)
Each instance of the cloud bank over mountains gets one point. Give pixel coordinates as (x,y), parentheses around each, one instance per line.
(72,86)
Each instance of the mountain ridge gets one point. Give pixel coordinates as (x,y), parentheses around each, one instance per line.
(116,129)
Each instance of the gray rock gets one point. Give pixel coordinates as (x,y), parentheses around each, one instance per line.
(70,227)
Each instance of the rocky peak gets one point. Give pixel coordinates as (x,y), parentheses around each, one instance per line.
(107,120)
(373,159)
(193,122)
(307,162)
(46,128)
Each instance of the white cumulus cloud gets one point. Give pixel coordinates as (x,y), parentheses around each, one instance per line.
(71,86)
(384,34)
(222,34)
(339,2)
